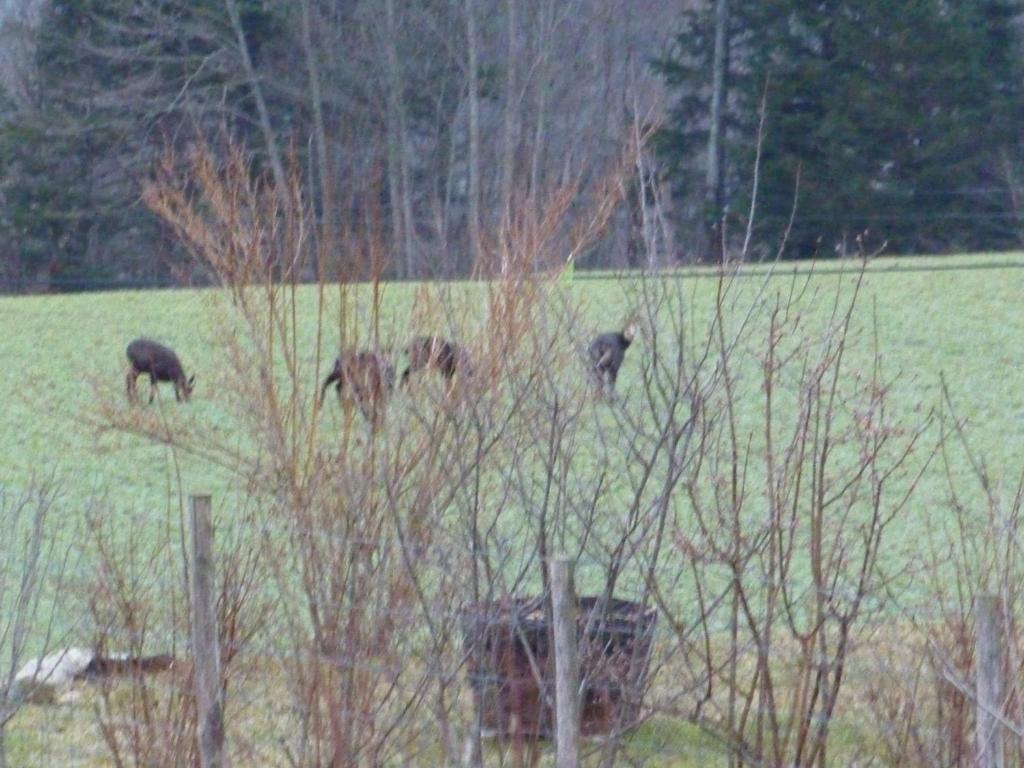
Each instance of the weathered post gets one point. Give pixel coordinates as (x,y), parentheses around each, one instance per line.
(989,655)
(205,646)
(567,665)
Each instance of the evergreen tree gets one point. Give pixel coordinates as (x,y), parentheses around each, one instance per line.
(115,81)
(893,115)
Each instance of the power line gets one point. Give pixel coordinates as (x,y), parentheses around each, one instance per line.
(807,267)
(902,264)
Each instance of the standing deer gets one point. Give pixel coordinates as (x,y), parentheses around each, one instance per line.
(146,356)
(364,377)
(446,357)
(607,352)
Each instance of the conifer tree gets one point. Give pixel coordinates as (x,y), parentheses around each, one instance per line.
(895,117)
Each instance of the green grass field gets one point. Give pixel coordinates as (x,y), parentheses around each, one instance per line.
(62,354)
(63,358)
(64,362)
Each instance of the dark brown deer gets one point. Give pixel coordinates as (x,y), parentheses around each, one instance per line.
(365,378)
(149,357)
(606,353)
(430,352)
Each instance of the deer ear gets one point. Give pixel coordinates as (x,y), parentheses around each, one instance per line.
(192,381)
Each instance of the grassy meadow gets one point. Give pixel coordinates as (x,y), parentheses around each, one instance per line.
(63,355)
(63,363)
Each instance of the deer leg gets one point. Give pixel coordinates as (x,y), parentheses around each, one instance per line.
(376,413)
(152,387)
(370,397)
(129,384)
(346,409)
(364,406)
(597,377)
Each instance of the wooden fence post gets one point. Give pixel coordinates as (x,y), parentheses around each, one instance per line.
(205,646)
(567,664)
(988,644)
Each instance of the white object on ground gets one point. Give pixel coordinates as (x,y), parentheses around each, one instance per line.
(42,680)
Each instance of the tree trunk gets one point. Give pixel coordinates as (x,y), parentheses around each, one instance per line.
(394,188)
(715,189)
(511,115)
(476,248)
(327,229)
(396,122)
(398,151)
(269,138)
(546,21)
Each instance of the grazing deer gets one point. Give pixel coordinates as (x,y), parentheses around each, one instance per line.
(366,378)
(445,357)
(607,352)
(146,356)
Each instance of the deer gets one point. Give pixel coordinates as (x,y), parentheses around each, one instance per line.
(431,352)
(160,363)
(606,352)
(363,377)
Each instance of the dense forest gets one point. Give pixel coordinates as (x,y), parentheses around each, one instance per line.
(802,128)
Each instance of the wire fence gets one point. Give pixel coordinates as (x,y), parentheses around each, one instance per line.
(823,266)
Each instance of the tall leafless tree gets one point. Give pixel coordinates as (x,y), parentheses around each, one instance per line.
(715,190)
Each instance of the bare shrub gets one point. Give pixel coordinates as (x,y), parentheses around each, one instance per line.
(973,548)
(33,596)
(788,512)
(756,530)
(139,606)
(376,539)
